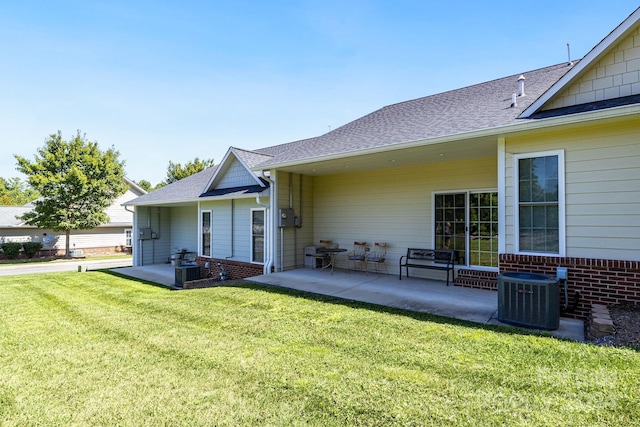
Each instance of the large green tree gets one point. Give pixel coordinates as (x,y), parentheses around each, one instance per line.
(77,182)
(175,171)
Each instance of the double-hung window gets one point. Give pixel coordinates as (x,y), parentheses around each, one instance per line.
(205,230)
(539,210)
(257,235)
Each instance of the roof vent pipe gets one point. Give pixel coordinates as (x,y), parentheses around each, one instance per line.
(513,100)
(521,85)
(570,62)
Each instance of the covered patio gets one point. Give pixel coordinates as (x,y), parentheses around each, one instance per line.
(421,295)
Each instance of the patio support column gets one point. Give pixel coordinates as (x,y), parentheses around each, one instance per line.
(502,203)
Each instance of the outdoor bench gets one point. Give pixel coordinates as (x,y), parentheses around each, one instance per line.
(434,259)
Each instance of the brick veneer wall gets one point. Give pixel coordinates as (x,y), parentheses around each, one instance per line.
(235,269)
(599,281)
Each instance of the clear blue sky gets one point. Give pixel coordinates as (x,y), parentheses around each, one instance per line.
(172,80)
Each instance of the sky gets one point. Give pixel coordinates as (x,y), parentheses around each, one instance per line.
(164,81)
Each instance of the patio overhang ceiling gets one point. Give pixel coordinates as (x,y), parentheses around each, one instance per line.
(419,153)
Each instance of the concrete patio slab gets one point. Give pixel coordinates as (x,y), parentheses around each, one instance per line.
(420,295)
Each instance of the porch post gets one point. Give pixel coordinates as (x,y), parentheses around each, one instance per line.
(502,202)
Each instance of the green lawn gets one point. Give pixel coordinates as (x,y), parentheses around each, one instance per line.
(95,349)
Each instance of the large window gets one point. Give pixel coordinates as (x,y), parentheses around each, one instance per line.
(540,203)
(205,226)
(257,235)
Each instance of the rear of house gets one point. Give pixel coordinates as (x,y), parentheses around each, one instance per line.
(525,173)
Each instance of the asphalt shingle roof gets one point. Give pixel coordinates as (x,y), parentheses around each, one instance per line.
(186,189)
(482,106)
(8,215)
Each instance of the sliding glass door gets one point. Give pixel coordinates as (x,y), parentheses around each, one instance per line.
(467,222)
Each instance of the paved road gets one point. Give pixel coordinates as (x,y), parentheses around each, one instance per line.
(57,266)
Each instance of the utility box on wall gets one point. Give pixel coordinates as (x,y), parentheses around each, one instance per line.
(287,217)
(147,234)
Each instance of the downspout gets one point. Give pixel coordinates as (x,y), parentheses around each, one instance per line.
(233,213)
(295,229)
(270,260)
(135,261)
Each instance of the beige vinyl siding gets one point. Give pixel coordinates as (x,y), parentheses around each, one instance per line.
(103,237)
(295,239)
(392,205)
(616,75)
(602,188)
(184,228)
(154,251)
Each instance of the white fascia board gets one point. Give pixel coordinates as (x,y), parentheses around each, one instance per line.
(589,59)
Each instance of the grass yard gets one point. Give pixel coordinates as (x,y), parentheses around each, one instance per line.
(95,349)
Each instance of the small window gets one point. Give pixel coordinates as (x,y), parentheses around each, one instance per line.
(257,235)
(540,203)
(205,226)
(127,237)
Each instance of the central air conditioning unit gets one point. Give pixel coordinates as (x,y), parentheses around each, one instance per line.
(528,299)
(186,273)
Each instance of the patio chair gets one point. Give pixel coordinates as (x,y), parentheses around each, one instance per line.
(357,256)
(377,257)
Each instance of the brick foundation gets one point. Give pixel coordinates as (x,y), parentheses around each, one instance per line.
(235,269)
(599,281)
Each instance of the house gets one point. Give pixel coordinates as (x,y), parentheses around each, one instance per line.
(105,239)
(533,172)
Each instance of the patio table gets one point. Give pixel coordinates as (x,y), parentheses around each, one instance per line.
(332,252)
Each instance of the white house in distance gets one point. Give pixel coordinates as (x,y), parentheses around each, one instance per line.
(533,171)
(108,238)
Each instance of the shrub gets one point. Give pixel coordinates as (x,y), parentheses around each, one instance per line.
(11,249)
(31,248)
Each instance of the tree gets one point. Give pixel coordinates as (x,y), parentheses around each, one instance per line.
(175,171)
(77,183)
(145,185)
(14,192)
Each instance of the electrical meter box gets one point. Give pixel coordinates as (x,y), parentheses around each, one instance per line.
(145,233)
(286,217)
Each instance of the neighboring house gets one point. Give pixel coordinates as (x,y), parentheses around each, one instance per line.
(532,172)
(115,236)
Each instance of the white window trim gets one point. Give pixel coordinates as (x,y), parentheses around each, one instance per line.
(264,246)
(128,237)
(561,202)
(200,253)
